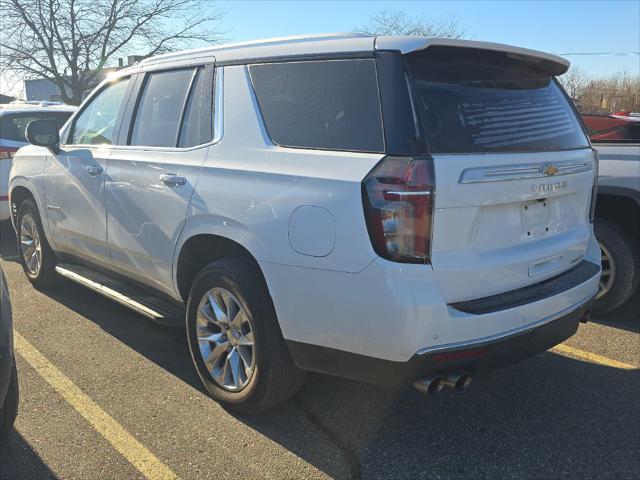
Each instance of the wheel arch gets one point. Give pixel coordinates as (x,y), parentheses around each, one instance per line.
(201,249)
(620,206)
(19,193)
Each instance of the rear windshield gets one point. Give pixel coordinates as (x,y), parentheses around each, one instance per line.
(469,106)
(12,126)
(325,104)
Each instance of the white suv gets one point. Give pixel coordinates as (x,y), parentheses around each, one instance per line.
(399,210)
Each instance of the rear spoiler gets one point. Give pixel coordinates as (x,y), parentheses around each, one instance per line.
(554,64)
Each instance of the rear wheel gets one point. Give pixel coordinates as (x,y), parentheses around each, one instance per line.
(619,267)
(38,260)
(235,340)
(9,409)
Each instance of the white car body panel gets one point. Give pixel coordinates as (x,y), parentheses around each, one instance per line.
(620,165)
(75,201)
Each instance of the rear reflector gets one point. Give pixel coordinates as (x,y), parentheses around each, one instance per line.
(6,153)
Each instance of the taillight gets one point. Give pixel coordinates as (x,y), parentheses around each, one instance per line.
(594,190)
(6,153)
(398,197)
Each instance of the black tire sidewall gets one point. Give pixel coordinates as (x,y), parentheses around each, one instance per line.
(47,262)
(238,280)
(9,409)
(625,261)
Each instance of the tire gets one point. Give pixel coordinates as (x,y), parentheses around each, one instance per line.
(620,259)
(265,375)
(27,225)
(9,410)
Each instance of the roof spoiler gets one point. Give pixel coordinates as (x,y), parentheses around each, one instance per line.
(407,44)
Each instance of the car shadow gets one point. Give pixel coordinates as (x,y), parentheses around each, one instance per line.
(19,461)
(8,247)
(626,317)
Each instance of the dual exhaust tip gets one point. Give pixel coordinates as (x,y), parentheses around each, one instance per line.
(434,385)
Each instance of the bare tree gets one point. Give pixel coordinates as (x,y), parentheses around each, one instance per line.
(397,22)
(574,82)
(70,41)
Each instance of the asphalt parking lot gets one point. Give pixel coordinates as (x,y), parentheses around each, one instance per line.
(108,394)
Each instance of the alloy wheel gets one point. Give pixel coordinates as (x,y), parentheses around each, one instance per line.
(30,245)
(608,271)
(225,339)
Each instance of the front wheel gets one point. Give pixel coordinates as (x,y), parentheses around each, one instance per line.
(38,260)
(235,341)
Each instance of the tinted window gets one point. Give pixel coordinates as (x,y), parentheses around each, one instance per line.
(160,109)
(491,106)
(321,104)
(12,126)
(196,127)
(95,124)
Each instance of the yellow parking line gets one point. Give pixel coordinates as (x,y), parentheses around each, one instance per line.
(130,448)
(592,357)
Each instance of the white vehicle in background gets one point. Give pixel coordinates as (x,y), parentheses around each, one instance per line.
(14,118)
(616,137)
(399,210)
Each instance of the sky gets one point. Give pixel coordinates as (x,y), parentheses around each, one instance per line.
(610,29)
(552,26)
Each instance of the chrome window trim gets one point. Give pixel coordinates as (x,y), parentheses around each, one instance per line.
(522,172)
(218,106)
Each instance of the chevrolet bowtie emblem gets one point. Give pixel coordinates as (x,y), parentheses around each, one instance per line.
(549,170)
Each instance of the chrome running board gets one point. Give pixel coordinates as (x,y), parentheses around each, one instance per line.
(154,308)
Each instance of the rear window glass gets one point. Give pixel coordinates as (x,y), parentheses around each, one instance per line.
(468,107)
(332,104)
(12,126)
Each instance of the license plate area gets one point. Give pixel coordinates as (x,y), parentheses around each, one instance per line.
(536,218)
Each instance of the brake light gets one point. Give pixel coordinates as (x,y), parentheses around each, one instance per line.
(6,153)
(594,190)
(398,196)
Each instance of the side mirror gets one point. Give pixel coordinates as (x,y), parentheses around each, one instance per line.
(44,133)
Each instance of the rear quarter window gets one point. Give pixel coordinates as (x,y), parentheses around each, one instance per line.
(329,104)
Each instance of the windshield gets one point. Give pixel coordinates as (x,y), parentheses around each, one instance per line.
(469,106)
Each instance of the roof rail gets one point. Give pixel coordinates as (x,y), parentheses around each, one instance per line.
(255,43)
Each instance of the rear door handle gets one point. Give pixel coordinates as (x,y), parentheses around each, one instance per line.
(93,170)
(172,180)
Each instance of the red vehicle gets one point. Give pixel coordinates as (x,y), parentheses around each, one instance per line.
(618,127)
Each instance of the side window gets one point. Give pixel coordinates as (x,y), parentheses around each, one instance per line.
(332,104)
(196,126)
(95,124)
(159,112)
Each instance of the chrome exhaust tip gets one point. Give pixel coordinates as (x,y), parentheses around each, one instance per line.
(457,381)
(430,385)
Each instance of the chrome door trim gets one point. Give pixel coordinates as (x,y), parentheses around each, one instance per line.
(521,172)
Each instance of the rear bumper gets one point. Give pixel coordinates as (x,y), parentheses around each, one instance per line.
(478,356)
